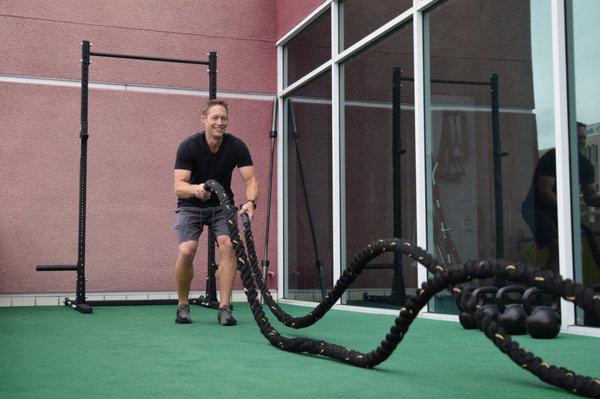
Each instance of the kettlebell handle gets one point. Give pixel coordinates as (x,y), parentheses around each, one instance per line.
(478,295)
(533,291)
(506,290)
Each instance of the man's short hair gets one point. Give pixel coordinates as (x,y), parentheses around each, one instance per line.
(581,124)
(212,103)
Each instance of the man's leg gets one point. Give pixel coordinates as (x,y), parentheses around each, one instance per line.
(184,270)
(227,270)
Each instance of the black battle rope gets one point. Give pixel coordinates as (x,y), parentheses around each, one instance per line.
(440,280)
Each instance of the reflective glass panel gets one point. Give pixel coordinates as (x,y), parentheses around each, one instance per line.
(308,189)
(583,16)
(490,134)
(308,49)
(378,129)
(358,18)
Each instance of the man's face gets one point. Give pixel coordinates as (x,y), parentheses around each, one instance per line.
(215,123)
(581,136)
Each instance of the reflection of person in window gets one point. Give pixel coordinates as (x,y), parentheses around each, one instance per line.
(539,207)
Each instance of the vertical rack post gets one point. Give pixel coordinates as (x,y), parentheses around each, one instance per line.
(80,304)
(497,155)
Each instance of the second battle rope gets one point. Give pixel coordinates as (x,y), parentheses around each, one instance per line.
(441,279)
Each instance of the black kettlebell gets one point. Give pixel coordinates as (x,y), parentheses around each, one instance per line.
(512,315)
(465,317)
(543,321)
(483,301)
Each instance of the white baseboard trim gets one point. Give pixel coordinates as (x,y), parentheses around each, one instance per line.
(56,299)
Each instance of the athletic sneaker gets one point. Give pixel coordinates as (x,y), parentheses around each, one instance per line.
(183,314)
(225,317)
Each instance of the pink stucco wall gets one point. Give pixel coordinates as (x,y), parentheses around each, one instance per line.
(133,135)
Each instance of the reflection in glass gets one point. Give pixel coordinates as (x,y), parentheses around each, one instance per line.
(584,56)
(378,120)
(481,165)
(309,48)
(361,17)
(309,196)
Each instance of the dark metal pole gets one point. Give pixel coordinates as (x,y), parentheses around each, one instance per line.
(80,290)
(296,136)
(210,299)
(212,75)
(273,136)
(146,58)
(498,154)
(398,291)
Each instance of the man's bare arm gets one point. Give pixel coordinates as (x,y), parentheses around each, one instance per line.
(185,190)
(249,176)
(545,190)
(591,196)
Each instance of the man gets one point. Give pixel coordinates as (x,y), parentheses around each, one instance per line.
(539,208)
(210,154)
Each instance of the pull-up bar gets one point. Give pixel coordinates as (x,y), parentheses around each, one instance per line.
(80,303)
(141,57)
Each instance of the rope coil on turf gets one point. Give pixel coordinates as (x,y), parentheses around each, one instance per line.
(441,279)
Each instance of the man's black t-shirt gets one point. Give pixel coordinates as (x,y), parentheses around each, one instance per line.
(194,155)
(547,167)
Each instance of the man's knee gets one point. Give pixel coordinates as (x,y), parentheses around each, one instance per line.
(188,249)
(225,245)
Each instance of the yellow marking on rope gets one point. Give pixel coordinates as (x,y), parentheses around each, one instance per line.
(393,243)
(359,356)
(241,261)
(539,279)
(570,374)
(597,381)
(511,267)
(574,390)
(420,258)
(380,240)
(500,337)
(596,297)
(229,221)
(478,306)
(293,324)
(544,364)
(570,298)
(439,267)
(481,263)
(457,290)
(347,359)
(407,244)
(524,365)
(469,277)
(406,310)
(322,350)
(281,344)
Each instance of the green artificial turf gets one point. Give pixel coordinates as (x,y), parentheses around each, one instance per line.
(139,352)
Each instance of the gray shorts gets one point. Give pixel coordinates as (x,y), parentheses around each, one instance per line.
(189,222)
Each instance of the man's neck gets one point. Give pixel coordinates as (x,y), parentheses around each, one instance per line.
(213,142)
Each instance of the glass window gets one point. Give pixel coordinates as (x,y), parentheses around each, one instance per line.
(378,128)
(361,17)
(308,49)
(490,164)
(308,189)
(583,16)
